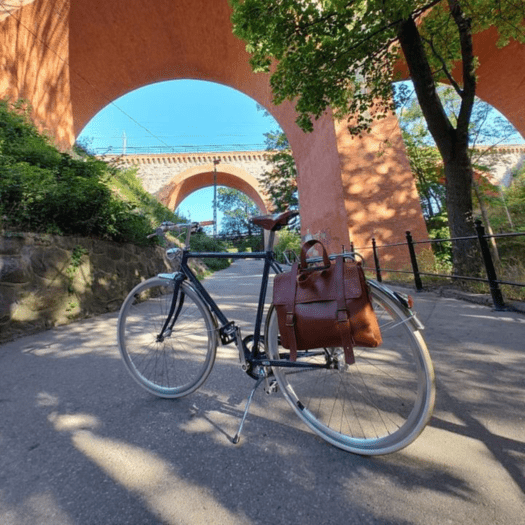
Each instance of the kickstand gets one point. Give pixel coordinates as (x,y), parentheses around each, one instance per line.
(237,437)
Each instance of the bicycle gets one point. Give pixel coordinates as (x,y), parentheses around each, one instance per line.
(169,328)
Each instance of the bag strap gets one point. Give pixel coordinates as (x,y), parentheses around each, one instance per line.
(343,319)
(290,311)
(306,248)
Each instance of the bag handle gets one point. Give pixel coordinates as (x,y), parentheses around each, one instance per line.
(305,249)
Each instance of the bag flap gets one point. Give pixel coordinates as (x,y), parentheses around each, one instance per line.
(318,285)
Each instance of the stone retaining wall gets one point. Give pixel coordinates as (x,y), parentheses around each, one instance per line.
(48,280)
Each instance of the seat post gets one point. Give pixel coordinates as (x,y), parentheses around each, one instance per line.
(270,239)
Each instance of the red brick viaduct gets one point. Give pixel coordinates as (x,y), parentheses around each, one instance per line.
(72,58)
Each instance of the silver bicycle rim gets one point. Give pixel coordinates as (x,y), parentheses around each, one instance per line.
(376,406)
(182,361)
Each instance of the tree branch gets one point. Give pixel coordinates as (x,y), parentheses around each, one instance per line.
(469,79)
(445,70)
(438,123)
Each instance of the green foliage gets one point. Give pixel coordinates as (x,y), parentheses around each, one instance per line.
(437,227)
(280,183)
(247,243)
(486,126)
(427,167)
(313,42)
(499,208)
(127,186)
(237,209)
(200,242)
(287,241)
(253,243)
(512,200)
(45,190)
(76,261)
(342,55)
(506,212)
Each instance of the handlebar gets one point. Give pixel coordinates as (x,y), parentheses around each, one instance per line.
(170,226)
(345,254)
(190,227)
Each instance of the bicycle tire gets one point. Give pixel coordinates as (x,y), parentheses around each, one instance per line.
(376,406)
(179,363)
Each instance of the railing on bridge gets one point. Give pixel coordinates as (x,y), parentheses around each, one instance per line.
(210,148)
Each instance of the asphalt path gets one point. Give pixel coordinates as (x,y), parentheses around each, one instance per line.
(81,443)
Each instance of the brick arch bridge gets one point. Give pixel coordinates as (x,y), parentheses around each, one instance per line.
(71,59)
(173,177)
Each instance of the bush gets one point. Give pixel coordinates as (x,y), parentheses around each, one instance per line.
(46,191)
(250,243)
(128,187)
(437,227)
(200,242)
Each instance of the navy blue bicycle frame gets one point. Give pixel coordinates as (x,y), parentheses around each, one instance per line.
(269,263)
(228,330)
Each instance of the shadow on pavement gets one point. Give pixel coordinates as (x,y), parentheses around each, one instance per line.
(83,444)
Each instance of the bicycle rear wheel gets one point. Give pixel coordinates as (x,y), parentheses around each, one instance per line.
(177,363)
(378,405)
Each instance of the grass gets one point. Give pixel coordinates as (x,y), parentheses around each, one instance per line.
(125,184)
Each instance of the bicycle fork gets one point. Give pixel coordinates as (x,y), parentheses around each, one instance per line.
(172,314)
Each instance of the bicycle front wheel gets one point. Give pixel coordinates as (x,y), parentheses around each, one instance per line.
(377,405)
(173,363)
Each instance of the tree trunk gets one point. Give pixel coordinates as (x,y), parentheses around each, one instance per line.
(452,142)
(458,173)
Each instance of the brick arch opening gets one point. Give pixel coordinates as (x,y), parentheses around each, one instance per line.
(198,177)
(116,47)
(500,76)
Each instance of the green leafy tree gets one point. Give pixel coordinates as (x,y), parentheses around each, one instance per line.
(514,201)
(487,128)
(237,209)
(280,182)
(341,54)
(427,167)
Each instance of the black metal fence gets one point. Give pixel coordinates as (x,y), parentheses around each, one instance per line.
(490,269)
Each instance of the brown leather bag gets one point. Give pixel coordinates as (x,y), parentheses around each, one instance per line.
(326,306)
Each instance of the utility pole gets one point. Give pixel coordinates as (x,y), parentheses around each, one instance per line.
(215,162)
(124,142)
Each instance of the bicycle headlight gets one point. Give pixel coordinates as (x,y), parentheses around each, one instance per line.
(175,255)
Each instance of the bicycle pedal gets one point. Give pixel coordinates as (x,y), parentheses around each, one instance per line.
(229,333)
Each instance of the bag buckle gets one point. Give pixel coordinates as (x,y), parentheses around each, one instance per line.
(290,319)
(342,315)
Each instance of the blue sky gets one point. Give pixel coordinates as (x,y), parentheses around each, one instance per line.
(178,114)
(183,115)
